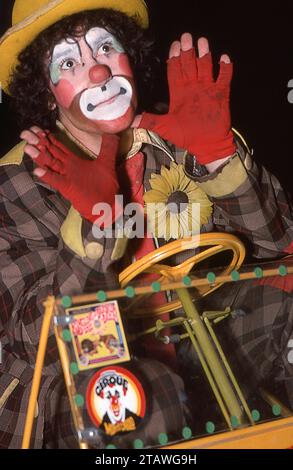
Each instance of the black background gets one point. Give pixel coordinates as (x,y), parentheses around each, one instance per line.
(259,38)
(73,458)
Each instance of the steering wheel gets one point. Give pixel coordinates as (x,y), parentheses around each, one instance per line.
(151,263)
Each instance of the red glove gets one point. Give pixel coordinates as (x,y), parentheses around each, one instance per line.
(199,115)
(82,182)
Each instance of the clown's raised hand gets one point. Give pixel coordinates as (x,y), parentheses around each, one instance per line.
(199,113)
(84,183)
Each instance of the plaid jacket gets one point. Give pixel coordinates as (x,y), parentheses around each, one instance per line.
(46,248)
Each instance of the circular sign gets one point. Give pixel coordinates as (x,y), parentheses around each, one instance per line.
(115,400)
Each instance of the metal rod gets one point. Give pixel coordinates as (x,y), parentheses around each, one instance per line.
(120,293)
(272,400)
(70,386)
(208,374)
(49,306)
(210,354)
(229,370)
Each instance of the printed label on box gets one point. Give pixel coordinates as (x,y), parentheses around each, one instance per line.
(98,335)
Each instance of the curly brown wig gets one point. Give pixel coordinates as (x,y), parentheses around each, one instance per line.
(29,83)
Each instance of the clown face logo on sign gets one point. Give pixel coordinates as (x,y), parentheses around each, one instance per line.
(115,400)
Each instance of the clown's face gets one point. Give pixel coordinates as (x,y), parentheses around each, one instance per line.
(92,82)
(115,404)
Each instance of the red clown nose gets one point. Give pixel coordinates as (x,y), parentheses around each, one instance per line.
(99,73)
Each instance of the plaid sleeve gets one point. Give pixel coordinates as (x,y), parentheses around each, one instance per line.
(15,380)
(260,211)
(33,266)
(250,202)
(35,263)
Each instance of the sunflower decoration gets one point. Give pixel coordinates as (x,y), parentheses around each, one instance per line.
(175,206)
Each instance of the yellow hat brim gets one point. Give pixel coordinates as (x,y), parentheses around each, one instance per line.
(18,37)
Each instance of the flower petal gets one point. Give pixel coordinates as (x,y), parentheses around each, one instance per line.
(154,196)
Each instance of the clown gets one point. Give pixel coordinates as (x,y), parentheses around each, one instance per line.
(113,390)
(80,76)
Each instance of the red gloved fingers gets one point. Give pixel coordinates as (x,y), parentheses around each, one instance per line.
(174,73)
(47,160)
(43,138)
(189,65)
(51,152)
(51,178)
(107,155)
(205,68)
(58,150)
(225,74)
(43,133)
(83,182)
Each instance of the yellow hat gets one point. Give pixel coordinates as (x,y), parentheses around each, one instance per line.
(31,17)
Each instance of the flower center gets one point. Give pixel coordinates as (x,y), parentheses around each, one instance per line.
(177,202)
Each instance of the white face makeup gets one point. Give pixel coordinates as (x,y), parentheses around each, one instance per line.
(111,101)
(101,41)
(66,54)
(92,80)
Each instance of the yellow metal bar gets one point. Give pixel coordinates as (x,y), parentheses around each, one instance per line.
(272,400)
(208,374)
(70,386)
(49,308)
(229,370)
(210,354)
(160,325)
(120,293)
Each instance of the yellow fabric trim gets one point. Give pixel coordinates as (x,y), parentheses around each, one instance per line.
(143,136)
(119,248)
(14,156)
(241,138)
(11,387)
(71,232)
(136,145)
(231,177)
